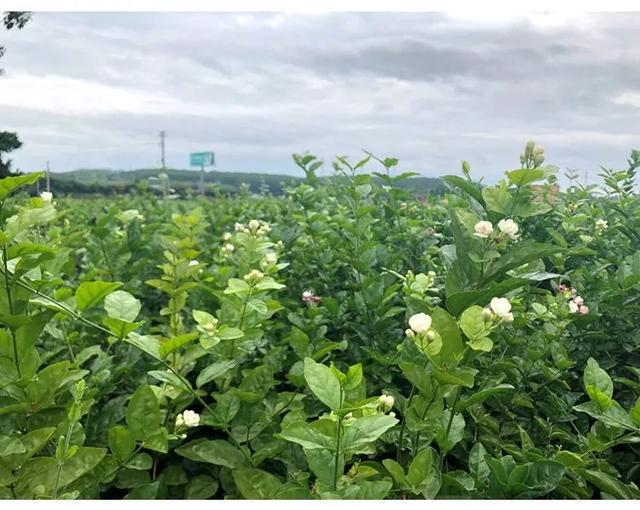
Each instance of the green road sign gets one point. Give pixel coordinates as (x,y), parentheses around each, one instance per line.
(202,159)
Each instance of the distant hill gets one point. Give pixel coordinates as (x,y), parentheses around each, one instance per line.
(105,181)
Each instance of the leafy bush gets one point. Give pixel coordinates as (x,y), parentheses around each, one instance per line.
(342,341)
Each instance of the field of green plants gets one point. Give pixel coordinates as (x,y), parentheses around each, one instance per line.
(343,341)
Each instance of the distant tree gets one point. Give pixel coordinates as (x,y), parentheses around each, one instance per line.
(8,142)
(14,19)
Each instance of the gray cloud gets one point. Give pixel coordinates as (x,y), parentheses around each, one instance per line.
(89,90)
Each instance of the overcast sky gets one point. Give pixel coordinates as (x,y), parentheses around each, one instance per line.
(93,90)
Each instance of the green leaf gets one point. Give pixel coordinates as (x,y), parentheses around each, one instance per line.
(420,470)
(482,395)
(470,188)
(146,343)
(447,440)
(203,318)
(83,461)
(9,184)
(121,442)
(523,253)
(143,413)
(215,451)
(366,430)
(201,487)
(90,294)
(307,436)
(524,176)
(609,484)
(122,305)
(419,377)
(634,413)
(598,384)
(237,287)
(256,484)
(396,472)
(140,462)
(473,324)
(477,464)
(613,416)
(445,325)
(214,371)
(11,446)
(324,384)
(268,283)
(462,376)
(119,328)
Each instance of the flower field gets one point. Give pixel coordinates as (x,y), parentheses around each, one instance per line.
(344,341)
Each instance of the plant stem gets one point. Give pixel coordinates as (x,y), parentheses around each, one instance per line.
(16,356)
(67,442)
(337,455)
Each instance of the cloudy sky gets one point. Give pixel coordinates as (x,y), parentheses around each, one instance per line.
(94,89)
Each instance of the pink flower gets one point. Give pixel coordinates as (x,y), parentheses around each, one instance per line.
(578,300)
(584,310)
(562,288)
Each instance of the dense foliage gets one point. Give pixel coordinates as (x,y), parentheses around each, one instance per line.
(342,341)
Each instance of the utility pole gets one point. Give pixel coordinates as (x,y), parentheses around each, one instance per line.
(48,181)
(163,135)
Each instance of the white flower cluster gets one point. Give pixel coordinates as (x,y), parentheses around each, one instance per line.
(507,226)
(601,224)
(254,276)
(270,259)
(576,303)
(255,227)
(187,419)
(501,308)
(46,196)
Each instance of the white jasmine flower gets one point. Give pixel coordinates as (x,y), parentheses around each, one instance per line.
(254,225)
(509,227)
(573,307)
(601,224)
(271,258)
(179,421)
(254,276)
(386,402)
(46,196)
(191,418)
(229,248)
(226,236)
(500,306)
(420,322)
(239,227)
(483,229)
(410,333)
